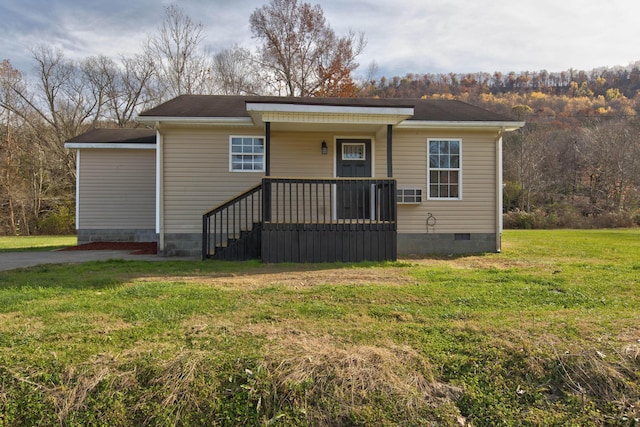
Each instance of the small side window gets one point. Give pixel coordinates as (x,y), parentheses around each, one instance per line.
(246,154)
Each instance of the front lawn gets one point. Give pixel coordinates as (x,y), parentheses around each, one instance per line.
(35,243)
(545,333)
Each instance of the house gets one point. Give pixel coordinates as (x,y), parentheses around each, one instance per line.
(298,179)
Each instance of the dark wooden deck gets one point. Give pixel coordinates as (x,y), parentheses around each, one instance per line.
(306,220)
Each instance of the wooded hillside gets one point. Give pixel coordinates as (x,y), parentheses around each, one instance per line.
(577,161)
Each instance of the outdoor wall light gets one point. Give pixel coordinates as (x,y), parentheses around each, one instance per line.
(325,150)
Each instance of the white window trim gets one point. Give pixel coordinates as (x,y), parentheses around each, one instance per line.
(264,154)
(459,169)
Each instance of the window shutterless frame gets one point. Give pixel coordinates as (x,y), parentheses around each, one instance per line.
(444,169)
(246,154)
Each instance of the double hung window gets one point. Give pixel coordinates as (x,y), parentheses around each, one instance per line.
(444,169)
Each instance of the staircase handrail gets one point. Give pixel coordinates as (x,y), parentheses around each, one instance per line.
(225,206)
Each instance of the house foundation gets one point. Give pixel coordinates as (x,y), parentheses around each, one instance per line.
(409,245)
(116,235)
(415,245)
(182,245)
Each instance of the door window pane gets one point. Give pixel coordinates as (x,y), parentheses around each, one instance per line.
(352,151)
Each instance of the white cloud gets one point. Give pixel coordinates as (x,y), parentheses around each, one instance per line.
(419,36)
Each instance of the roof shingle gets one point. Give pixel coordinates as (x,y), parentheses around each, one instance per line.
(116,136)
(235,106)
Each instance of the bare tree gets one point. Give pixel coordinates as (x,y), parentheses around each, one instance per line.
(610,153)
(100,73)
(369,81)
(301,51)
(524,156)
(58,106)
(119,89)
(133,89)
(64,102)
(10,180)
(20,196)
(181,68)
(235,72)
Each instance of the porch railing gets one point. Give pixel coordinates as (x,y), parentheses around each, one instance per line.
(330,200)
(324,220)
(305,220)
(226,227)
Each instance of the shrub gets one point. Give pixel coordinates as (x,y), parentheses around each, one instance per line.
(518,219)
(62,221)
(562,215)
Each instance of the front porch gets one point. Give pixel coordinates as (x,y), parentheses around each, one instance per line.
(306,220)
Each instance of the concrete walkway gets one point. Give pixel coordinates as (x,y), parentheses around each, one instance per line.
(13,260)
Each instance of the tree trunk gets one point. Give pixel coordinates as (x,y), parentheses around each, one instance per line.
(12,217)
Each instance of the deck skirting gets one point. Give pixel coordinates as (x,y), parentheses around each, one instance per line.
(328,242)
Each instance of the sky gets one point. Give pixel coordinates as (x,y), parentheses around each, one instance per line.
(403,36)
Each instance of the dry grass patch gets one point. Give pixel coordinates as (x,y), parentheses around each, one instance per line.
(295,279)
(484,262)
(344,381)
(173,384)
(17,323)
(608,375)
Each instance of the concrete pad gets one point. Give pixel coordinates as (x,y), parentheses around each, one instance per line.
(14,260)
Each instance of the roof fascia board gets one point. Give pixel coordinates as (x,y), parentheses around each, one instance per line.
(335,109)
(109,145)
(217,121)
(470,125)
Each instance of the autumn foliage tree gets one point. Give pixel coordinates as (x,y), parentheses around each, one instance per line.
(335,78)
(301,52)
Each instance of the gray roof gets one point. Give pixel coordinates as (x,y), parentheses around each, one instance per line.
(116,136)
(235,106)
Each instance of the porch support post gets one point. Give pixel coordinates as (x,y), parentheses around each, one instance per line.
(267,149)
(266,187)
(389,151)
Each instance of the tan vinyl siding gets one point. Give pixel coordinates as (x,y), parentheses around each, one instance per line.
(197,176)
(117,189)
(299,155)
(476,212)
(380,154)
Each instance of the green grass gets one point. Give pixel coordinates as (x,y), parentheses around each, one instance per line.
(545,333)
(35,243)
